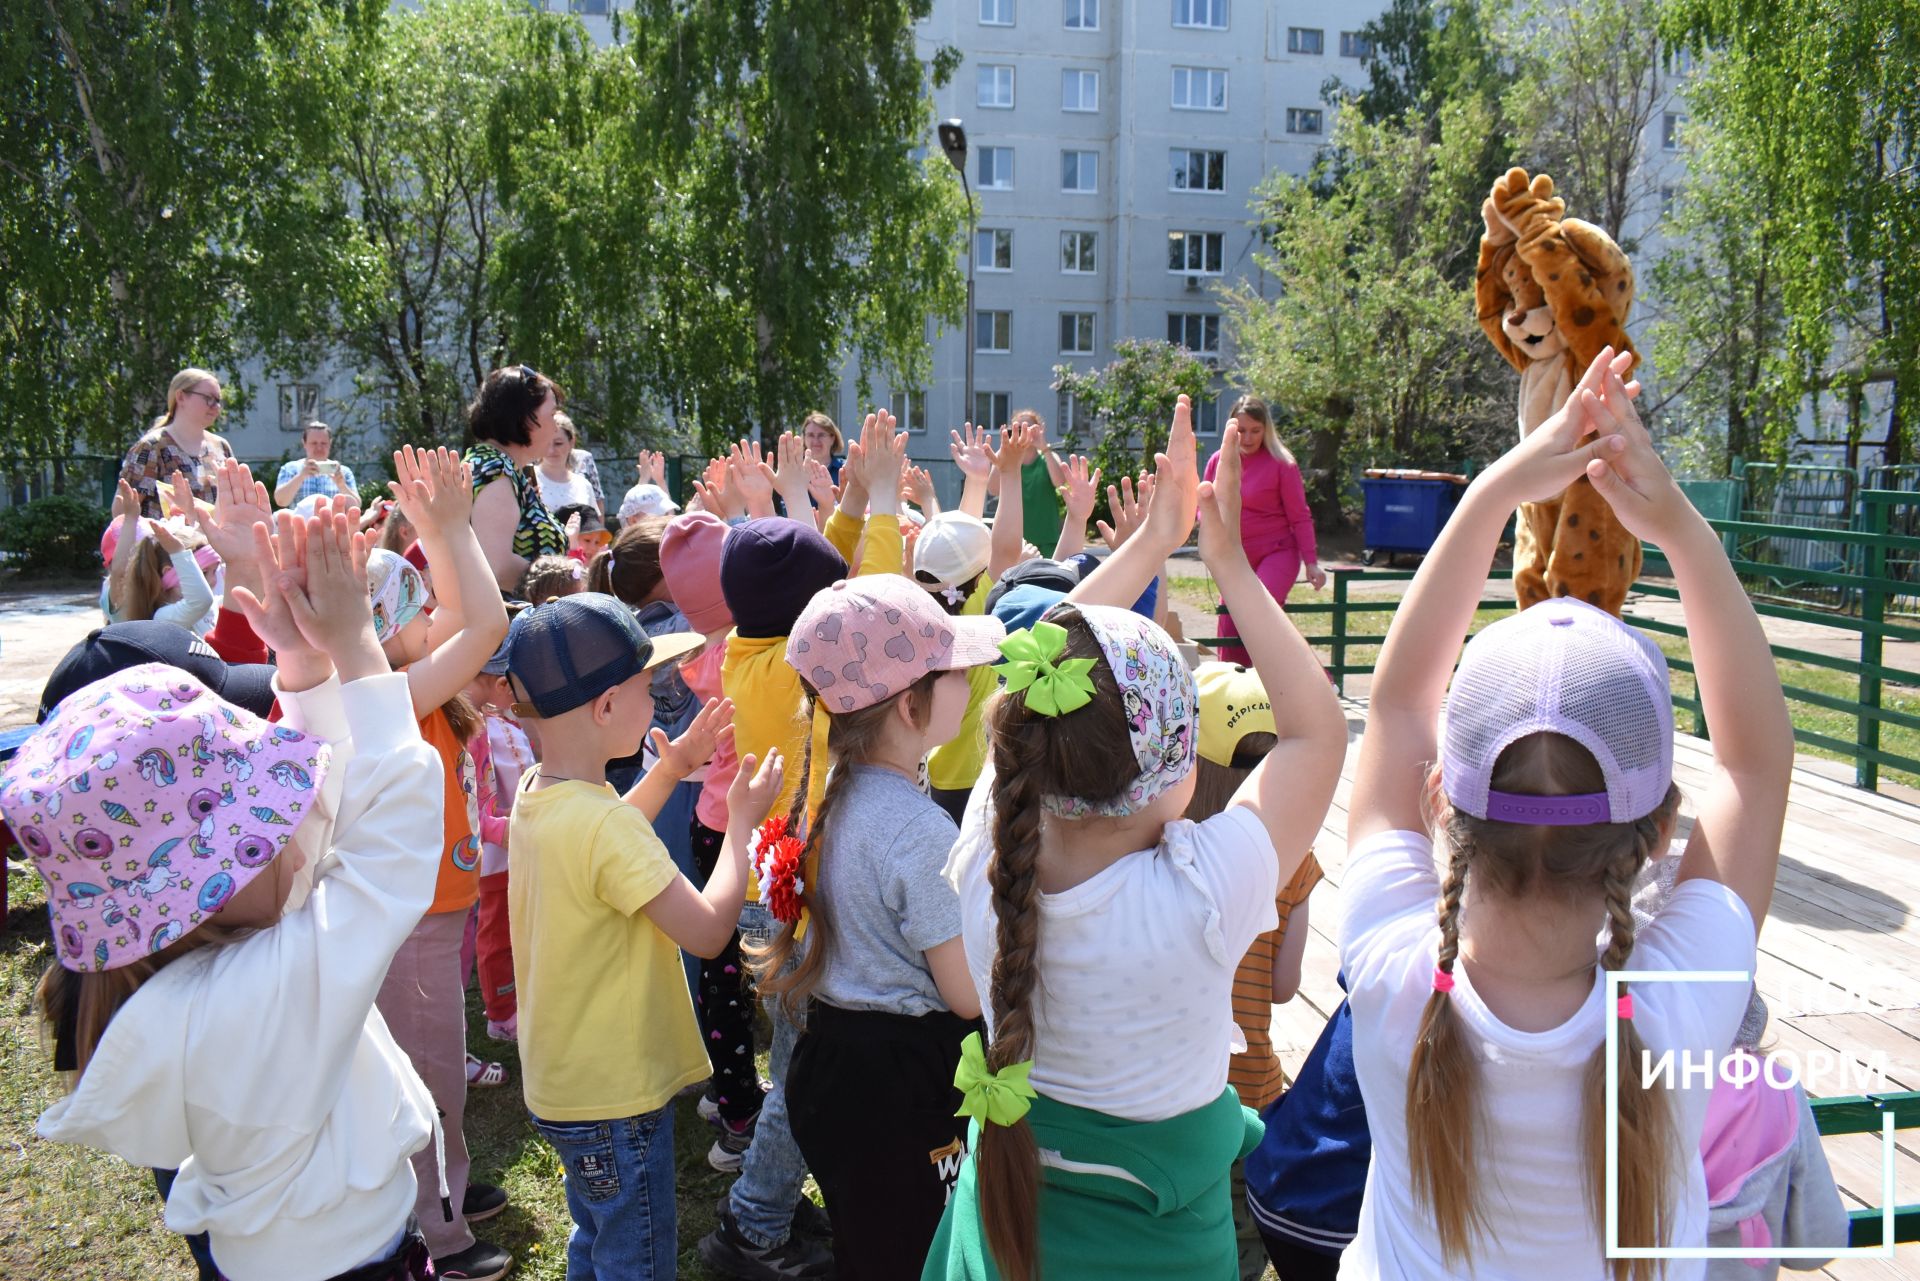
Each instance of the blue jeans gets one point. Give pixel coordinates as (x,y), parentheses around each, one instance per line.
(620,1194)
(772,1176)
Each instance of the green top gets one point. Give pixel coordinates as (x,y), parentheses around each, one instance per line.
(1040,510)
(1162,1209)
(538,533)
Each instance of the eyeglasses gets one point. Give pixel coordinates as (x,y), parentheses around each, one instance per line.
(209,397)
(529,374)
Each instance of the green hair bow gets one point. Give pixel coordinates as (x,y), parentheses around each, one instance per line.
(1054,686)
(991,1098)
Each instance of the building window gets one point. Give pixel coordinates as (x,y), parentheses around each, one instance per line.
(995,86)
(993,249)
(1083,15)
(1669,197)
(1198,332)
(1198,170)
(592,7)
(1303,120)
(1077,252)
(993,331)
(909,409)
(1076,333)
(996,169)
(1200,13)
(991,408)
(996,13)
(1200,88)
(1355,45)
(1306,40)
(1080,171)
(1072,420)
(1671,123)
(1206,416)
(1195,253)
(299,405)
(1079,91)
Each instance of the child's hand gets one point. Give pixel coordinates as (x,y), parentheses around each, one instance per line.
(434,490)
(698,742)
(653,467)
(753,792)
(1219,498)
(973,451)
(790,468)
(168,540)
(126,502)
(181,491)
(1629,473)
(917,487)
(1016,449)
(750,476)
(281,557)
(820,486)
(1556,453)
(883,453)
(240,503)
(333,613)
(1081,492)
(573,530)
(1129,508)
(1176,482)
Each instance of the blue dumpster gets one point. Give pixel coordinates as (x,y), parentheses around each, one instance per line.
(1405,509)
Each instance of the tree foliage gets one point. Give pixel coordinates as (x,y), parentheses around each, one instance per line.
(1131,400)
(1811,110)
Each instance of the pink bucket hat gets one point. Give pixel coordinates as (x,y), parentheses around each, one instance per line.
(861,641)
(690,562)
(146,803)
(397,591)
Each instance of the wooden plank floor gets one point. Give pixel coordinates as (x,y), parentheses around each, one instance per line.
(1839,957)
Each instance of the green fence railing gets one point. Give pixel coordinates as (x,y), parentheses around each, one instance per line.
(1865,1114)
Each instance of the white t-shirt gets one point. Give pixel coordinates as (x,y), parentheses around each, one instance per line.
(1531,1175)
(562,493)
(1134,1009)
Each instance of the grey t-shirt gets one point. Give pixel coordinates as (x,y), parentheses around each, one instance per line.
(882,876)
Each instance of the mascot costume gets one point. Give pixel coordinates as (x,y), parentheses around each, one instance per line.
(1551,291)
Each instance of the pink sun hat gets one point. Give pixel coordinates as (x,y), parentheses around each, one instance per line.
(146,803)
(863,640)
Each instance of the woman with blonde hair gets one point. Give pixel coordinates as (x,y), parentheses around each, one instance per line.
(1276,526)
(825,444)
(180,440)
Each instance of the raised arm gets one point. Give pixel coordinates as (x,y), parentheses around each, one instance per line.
(1293,784)
(1170,508)
(435,492)
(1736,837)
(1423,642)
(1081,491)
(702,921)
(972,449)
(1016,446)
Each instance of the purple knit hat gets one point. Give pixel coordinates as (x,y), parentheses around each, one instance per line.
(146,803)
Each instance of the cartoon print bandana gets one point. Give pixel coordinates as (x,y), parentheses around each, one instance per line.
(146,803)
(1160,701)
(397,591)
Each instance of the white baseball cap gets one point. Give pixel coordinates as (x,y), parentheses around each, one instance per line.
(647,500)
(952,549)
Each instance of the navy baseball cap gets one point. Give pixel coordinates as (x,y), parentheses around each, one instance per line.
(564,654)
(107,650)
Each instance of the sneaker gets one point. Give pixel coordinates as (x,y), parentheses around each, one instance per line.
(507,1029)
(809,1220)
(729,1150)
(482,1202)
(727,1252)
(481,1261)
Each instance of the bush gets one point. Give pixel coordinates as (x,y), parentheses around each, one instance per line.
(58,534)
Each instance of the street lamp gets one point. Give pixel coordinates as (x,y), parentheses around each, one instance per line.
(953,141)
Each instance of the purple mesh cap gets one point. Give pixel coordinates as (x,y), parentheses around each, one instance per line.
(1561,667)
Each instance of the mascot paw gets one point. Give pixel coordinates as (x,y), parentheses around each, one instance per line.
(1521,203)
(1498,232)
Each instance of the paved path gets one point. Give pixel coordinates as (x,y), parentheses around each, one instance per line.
(36,629)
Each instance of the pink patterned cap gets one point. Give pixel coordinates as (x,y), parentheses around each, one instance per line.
(863,640)
(146,803)
(1560,667)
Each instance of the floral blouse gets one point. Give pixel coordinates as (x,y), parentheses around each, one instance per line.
(154,458)
(538,533)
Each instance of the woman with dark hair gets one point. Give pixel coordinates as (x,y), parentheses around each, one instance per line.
(512,421)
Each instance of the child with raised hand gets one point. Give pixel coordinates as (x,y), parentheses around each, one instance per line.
(869,957)
(212,999)
(1106,928)
(424,997)
(599,914)
(151,572)
(1479,1038)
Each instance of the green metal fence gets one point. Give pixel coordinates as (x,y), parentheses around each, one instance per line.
(1865,1114)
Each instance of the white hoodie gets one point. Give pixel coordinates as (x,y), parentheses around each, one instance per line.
(260,1068)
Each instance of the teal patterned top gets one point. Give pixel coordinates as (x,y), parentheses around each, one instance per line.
(538,533)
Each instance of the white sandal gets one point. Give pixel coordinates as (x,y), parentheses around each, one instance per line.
(484,1074)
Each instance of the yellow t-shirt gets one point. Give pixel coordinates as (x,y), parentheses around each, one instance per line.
(955,766)
(606,1025)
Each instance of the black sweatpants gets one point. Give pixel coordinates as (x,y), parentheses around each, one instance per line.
(725,1008)
(872,1103)
(1295,1262)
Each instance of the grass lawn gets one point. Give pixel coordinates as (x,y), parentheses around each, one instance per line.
(69,1211)
(1199,593)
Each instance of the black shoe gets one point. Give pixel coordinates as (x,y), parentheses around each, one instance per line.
(809,1220)
(481,1261)
(729,1253)
(482,1202)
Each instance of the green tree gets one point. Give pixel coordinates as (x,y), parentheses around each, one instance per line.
(161,205)
(1372,347)
(1817,104)
(802,219)
(1131,400)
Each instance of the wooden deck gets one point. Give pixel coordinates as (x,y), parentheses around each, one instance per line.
(1839,956)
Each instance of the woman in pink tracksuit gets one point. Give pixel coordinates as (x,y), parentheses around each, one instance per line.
(1275,526)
